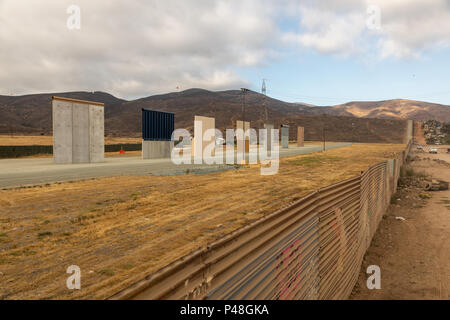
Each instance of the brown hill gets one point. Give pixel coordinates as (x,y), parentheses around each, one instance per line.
(396,109)
(349,129)
(31,114)
(225,106)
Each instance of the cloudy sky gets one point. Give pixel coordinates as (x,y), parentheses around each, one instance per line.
(315,51)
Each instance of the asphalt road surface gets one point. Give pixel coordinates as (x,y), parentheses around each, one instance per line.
(37,171)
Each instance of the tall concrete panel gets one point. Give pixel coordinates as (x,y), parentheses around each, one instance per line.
(285,136)
(201,126)
(300,137)
(62,131)
(78,131)
(96,133)
(269,127)
(242,136)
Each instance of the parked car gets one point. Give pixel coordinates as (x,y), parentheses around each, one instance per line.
(434,150)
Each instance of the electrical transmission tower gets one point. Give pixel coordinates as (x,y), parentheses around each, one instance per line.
(264,92)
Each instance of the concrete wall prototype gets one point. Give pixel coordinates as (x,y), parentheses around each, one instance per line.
(201,125)
(269,127)
(78,131)
(242,134)
(285,136)
(300,137)
(157,149)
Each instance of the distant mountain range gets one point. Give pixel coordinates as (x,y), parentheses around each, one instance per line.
(31,114)
(397,109)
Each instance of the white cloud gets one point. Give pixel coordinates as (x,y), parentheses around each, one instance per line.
(130,48)
(328,31)
(408,27)
(135,48)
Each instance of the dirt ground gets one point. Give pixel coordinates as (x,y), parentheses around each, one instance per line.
(414,255)
(118,230)
(7,140)
(419,137)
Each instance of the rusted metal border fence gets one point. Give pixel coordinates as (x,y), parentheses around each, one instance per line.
(311,249)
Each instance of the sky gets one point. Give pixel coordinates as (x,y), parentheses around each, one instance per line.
(321,52)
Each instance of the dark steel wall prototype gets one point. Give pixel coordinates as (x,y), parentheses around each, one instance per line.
(311,249)
(157,125)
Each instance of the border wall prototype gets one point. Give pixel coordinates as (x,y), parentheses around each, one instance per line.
(157,130)
(78,131)
(311,249)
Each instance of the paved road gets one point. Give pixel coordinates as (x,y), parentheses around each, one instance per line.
(24,172)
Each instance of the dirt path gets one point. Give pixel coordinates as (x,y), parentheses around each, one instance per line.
(414,255)
(419,137)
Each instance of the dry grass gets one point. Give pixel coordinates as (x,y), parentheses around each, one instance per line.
(120,229)
(6,140)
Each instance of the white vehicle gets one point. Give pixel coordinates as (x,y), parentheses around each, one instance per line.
(220,141)
(434,150)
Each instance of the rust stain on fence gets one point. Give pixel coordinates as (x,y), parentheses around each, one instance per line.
(312,249)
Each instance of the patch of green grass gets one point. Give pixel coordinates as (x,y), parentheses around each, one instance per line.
(3,237)
(311,160)
(134,196)
(107,272)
